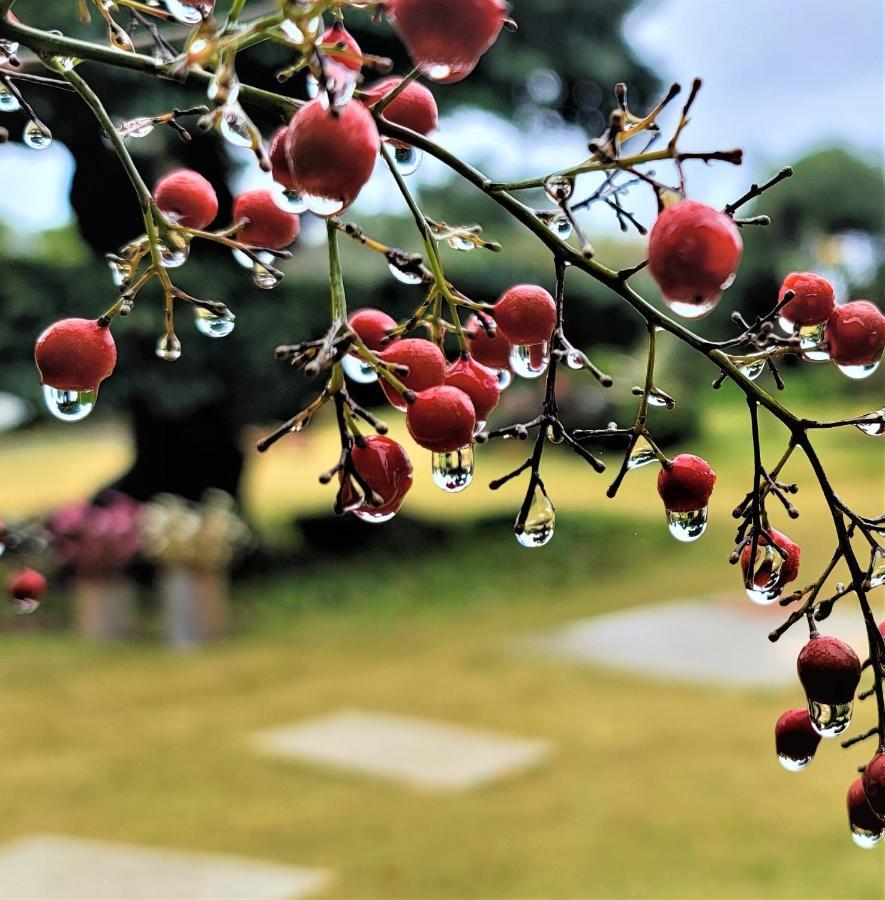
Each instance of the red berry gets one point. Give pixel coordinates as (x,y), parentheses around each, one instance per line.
(795,739)
(446,38)
(828,669)
(441,419)
(344,47)
(372,326)
(385,466)
(279,161)
(855,333)
(687,484)
(26,584)
(789,569)
(269,226)
(331,156)
(493,352)
(427,367)
(526,314)
(861,817)
(75,355)
(693,254)
(187,197)
(479,383)
(413,108)
(814,300)
(873,780)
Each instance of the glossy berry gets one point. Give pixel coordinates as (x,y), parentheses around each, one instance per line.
(861,817)
(526,314)
(828,669)
(873,779)
(279,161)
(26,584)
(687,484)
(268,225)
(855,334)
(385,466)
(413,108)
(441,419)
(332,156)
(188,198)
(789,566)
(75,355)
(794,737)
(372,326)
(446,38)
(479,383)
(693,254)
(493,352)
(815,299)
(426,364)
(342,47)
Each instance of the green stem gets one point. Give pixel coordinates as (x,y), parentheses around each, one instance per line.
(336,280)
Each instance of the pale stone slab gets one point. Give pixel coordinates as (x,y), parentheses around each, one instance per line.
(53,867)
(429,755)
(722,642)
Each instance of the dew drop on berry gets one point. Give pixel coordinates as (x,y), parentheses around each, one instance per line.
(68,406)
(8,101)
(687,526)
(765,586)
(751,366)
(186,13)
(530,360)
(865,839)
(787,327)
(810,338)
(874,426)
(877,568)
(213,326)
(168,348)
(437,71)
(358,371)
(829,719)
(173,258)
(288,201)
(793,765)
(856,373)
(540,522)
(404,277)
(322,206)
(689,309)
(37,136)
(453,471)
(408,159)
(24,606)
(367,514)
(505,378)
(641,455)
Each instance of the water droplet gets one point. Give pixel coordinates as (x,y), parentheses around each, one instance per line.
(794,765)
(690,310)
(864,839)
(288,201)
(687,526)
(69,406)
(437,71)
(265,278)
(303,31)
(877,568)
(186,13)
(8,49)
(655,399)
(312,87)
(562,226)
(408,159)
(8,101)
(24,606)
(810,336)
(641,455)
(786,325)
(559,187)
(530,361)
(453,471)
(247,262)
(766,584)
(168,348)
(505,379)
(574,360)
(224,88)
(211,325)
(65,63)
(322,206)
(234,126)
(480,425)
(136,128)
(540,522)
(858,372)
(171,258)
(461,243)
(356,370)
(875,427)
(752,366)
(404,277)
(367,514)
(119,273)
(829,719)
(37,136)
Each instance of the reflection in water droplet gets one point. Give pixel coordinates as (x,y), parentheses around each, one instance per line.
(234,126)
(69,406)
(540,522)
(793,765)
(687,526)
(288,201)
(574,360)
(367,514)
(171,258)
(186,13)
(168,348)
(136,128)
(554,435)
(119,273)
(877,568)
(505,379)
(810,336)
(322,206)
(8,101)
(864,839)
(690,310)
(752,366)
(829,719)
(641,455)
(530,361)
(453,471)
(211,325)
(264,278)
(766,584)
(408,159)
(859,372)
(875,427)
(404,277)
(24,606)
(559,187)
(657,400)
(562,226)
(457,242)
(37,136)
(356,370)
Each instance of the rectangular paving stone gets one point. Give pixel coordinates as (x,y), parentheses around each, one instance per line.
(430,755)
(55,867)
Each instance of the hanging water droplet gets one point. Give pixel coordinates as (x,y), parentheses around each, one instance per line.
(69,406)
(408,159)
(8,49)
(877,568)
(562,226)
(264,278)
(529,361)
(119,273)
(186,13)
(766,585)
(367,514)
(505,379)
(224,88)
(136,128)
(302,31)
(460,243)
(687,526)
(787,327)
(172,258)
(322,206)
(357,370)
(453,471)
(688,309)
(810,336)
(247,262)
(404,277)
(574,360)
(829,719)
(168,348)
(875,426)
(288,201)
(24,606)
(36,135)
(865,839)
(211,325)
(480,425)
(752,366)
(8,101)
(794,765)
(559,187)
(860,371)
(659,400)
(437,71)
(641,455)
(540,522)
(234,126)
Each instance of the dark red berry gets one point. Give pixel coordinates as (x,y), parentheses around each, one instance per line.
(814,299)
(526,314)
(441,419)
(413,108)
(873,779)
(75,355)
(687,484)
(385,466)
(789,567)
(493,352)
(268,225)
(794,737)
(372,326)
(860,814)
(855,334)
(828,669)
(26,584)
(187,197)
(279,161)
(479,383)
(426,363)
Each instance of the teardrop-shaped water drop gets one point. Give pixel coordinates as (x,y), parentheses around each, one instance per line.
(659,400)
(864,838)
(119,273)
(8,101)
(689,309)
(288,201)
(69,406)
(213,326)
(859,372)
(168,348)
(574,360)
(404,277)
(540,522)
(875,425)
(186,13)
(810,337)
(794,765)
(562,226)
(358,371)
(367,514)
(24,606)
(530,360)
(554,435)
(461,244)
(264,278)
(766,584)
(136,128)
(559,187)
(752,366)
(505,378)
(408,160)
(172,258)
(829,719)
(453,471)
(322,206)
(877,568)
(687,526)
(37,136)
(641,455)
(479,427)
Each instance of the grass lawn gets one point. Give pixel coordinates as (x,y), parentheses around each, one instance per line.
(655,790)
